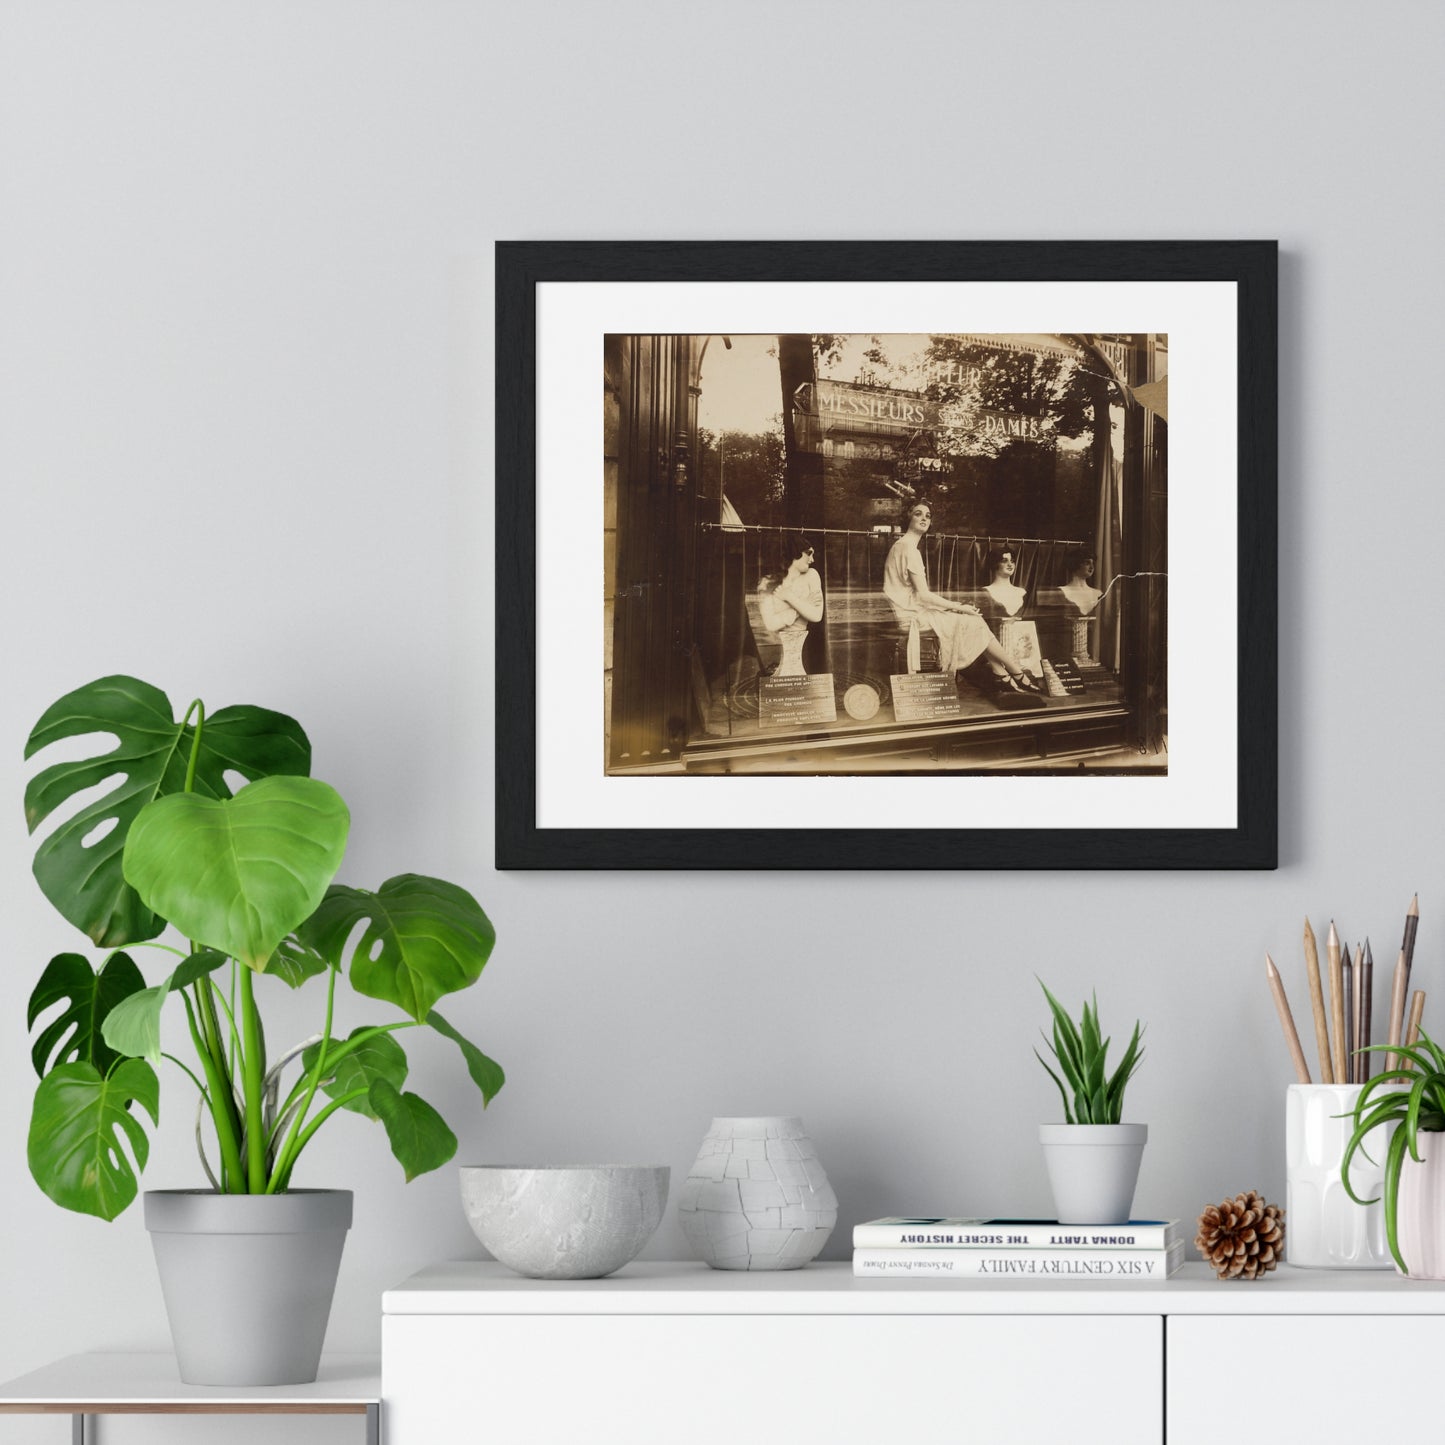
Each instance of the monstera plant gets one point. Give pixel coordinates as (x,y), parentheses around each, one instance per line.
(247,879)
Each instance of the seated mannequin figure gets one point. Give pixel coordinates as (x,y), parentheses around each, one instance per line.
(963,635)
(794,601)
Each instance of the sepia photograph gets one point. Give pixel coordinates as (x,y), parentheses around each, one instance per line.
(885,553)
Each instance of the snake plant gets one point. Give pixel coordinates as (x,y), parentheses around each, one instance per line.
(1081,1052)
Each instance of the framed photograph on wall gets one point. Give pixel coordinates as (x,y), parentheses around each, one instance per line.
(827,555)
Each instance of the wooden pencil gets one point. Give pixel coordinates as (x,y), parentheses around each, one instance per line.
(1317,1003)
(1412,1032)
(1337,1005)
(1397,1010)
(1407,945)
(1357,1028)
(1367,1014)
(1286,1021)
(1347,989)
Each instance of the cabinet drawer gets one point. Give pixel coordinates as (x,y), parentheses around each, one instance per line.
(1288,1377)
(794,1380)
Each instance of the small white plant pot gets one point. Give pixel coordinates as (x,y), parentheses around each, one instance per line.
(1420,1211)
(1093,1169)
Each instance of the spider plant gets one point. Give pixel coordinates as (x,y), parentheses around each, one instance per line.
(1081,1052)
(1416,1109)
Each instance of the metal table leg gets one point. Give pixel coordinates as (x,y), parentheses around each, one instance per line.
(80,1433)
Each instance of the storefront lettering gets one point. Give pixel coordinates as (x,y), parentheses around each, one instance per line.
(1006,424)
(836,400)
(843,407)
(953,373)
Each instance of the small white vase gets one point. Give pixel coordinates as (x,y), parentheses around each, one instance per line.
(1420,1211)
(757,1197)
(1093,1169)
(1324,1227)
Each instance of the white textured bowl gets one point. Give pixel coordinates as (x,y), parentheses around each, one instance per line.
(564,1222)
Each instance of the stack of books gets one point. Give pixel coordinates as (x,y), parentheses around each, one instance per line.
(1016,1249)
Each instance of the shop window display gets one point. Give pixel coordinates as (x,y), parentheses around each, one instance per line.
(891,552)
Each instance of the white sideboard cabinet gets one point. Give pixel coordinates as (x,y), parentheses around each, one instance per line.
(681,1353)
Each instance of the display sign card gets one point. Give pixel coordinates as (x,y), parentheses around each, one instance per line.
(1022,642)
(1068,674)
(786,702)
(924,696)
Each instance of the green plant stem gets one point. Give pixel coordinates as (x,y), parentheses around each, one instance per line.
(207,1038)
(253,1074)
(297,1089)
(198,709)
(231,1010)
(215,1052)
(290,1149)
(287,1157)
(222,1105)
(164,947)
(284,1179)
(363,1036)
(196,704)
(344,1050)
(228,1008)
(201,1088)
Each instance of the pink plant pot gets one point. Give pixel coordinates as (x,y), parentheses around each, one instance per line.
(1420,1210)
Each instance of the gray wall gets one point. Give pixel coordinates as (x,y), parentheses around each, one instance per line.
(245,430)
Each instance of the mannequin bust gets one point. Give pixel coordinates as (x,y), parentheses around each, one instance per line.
(1002,564)
(1079,589)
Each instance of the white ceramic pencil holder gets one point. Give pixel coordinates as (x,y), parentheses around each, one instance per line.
(1324,1227)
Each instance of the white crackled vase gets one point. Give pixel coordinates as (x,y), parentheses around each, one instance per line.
(757,1196)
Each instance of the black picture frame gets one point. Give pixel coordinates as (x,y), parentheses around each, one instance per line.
(521,844)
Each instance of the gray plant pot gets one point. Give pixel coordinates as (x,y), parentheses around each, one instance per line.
(248,1280)
(1093,1169)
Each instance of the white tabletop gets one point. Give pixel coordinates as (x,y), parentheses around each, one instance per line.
(475,1287)
(84,1383)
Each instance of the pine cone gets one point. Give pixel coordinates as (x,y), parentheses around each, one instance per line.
(1241,1237)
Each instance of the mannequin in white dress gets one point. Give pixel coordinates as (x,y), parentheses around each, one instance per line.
(963,635)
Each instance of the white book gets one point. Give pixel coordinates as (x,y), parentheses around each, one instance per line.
(922,1231)
(1005,1264)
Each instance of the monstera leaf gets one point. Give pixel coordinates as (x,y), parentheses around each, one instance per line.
(133,1028)
(486,1073)
(239,874)
(423,938)
(418,1135)
(152,751)
(75,1035)
(294,962)
(379,1057)
(80,1122)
